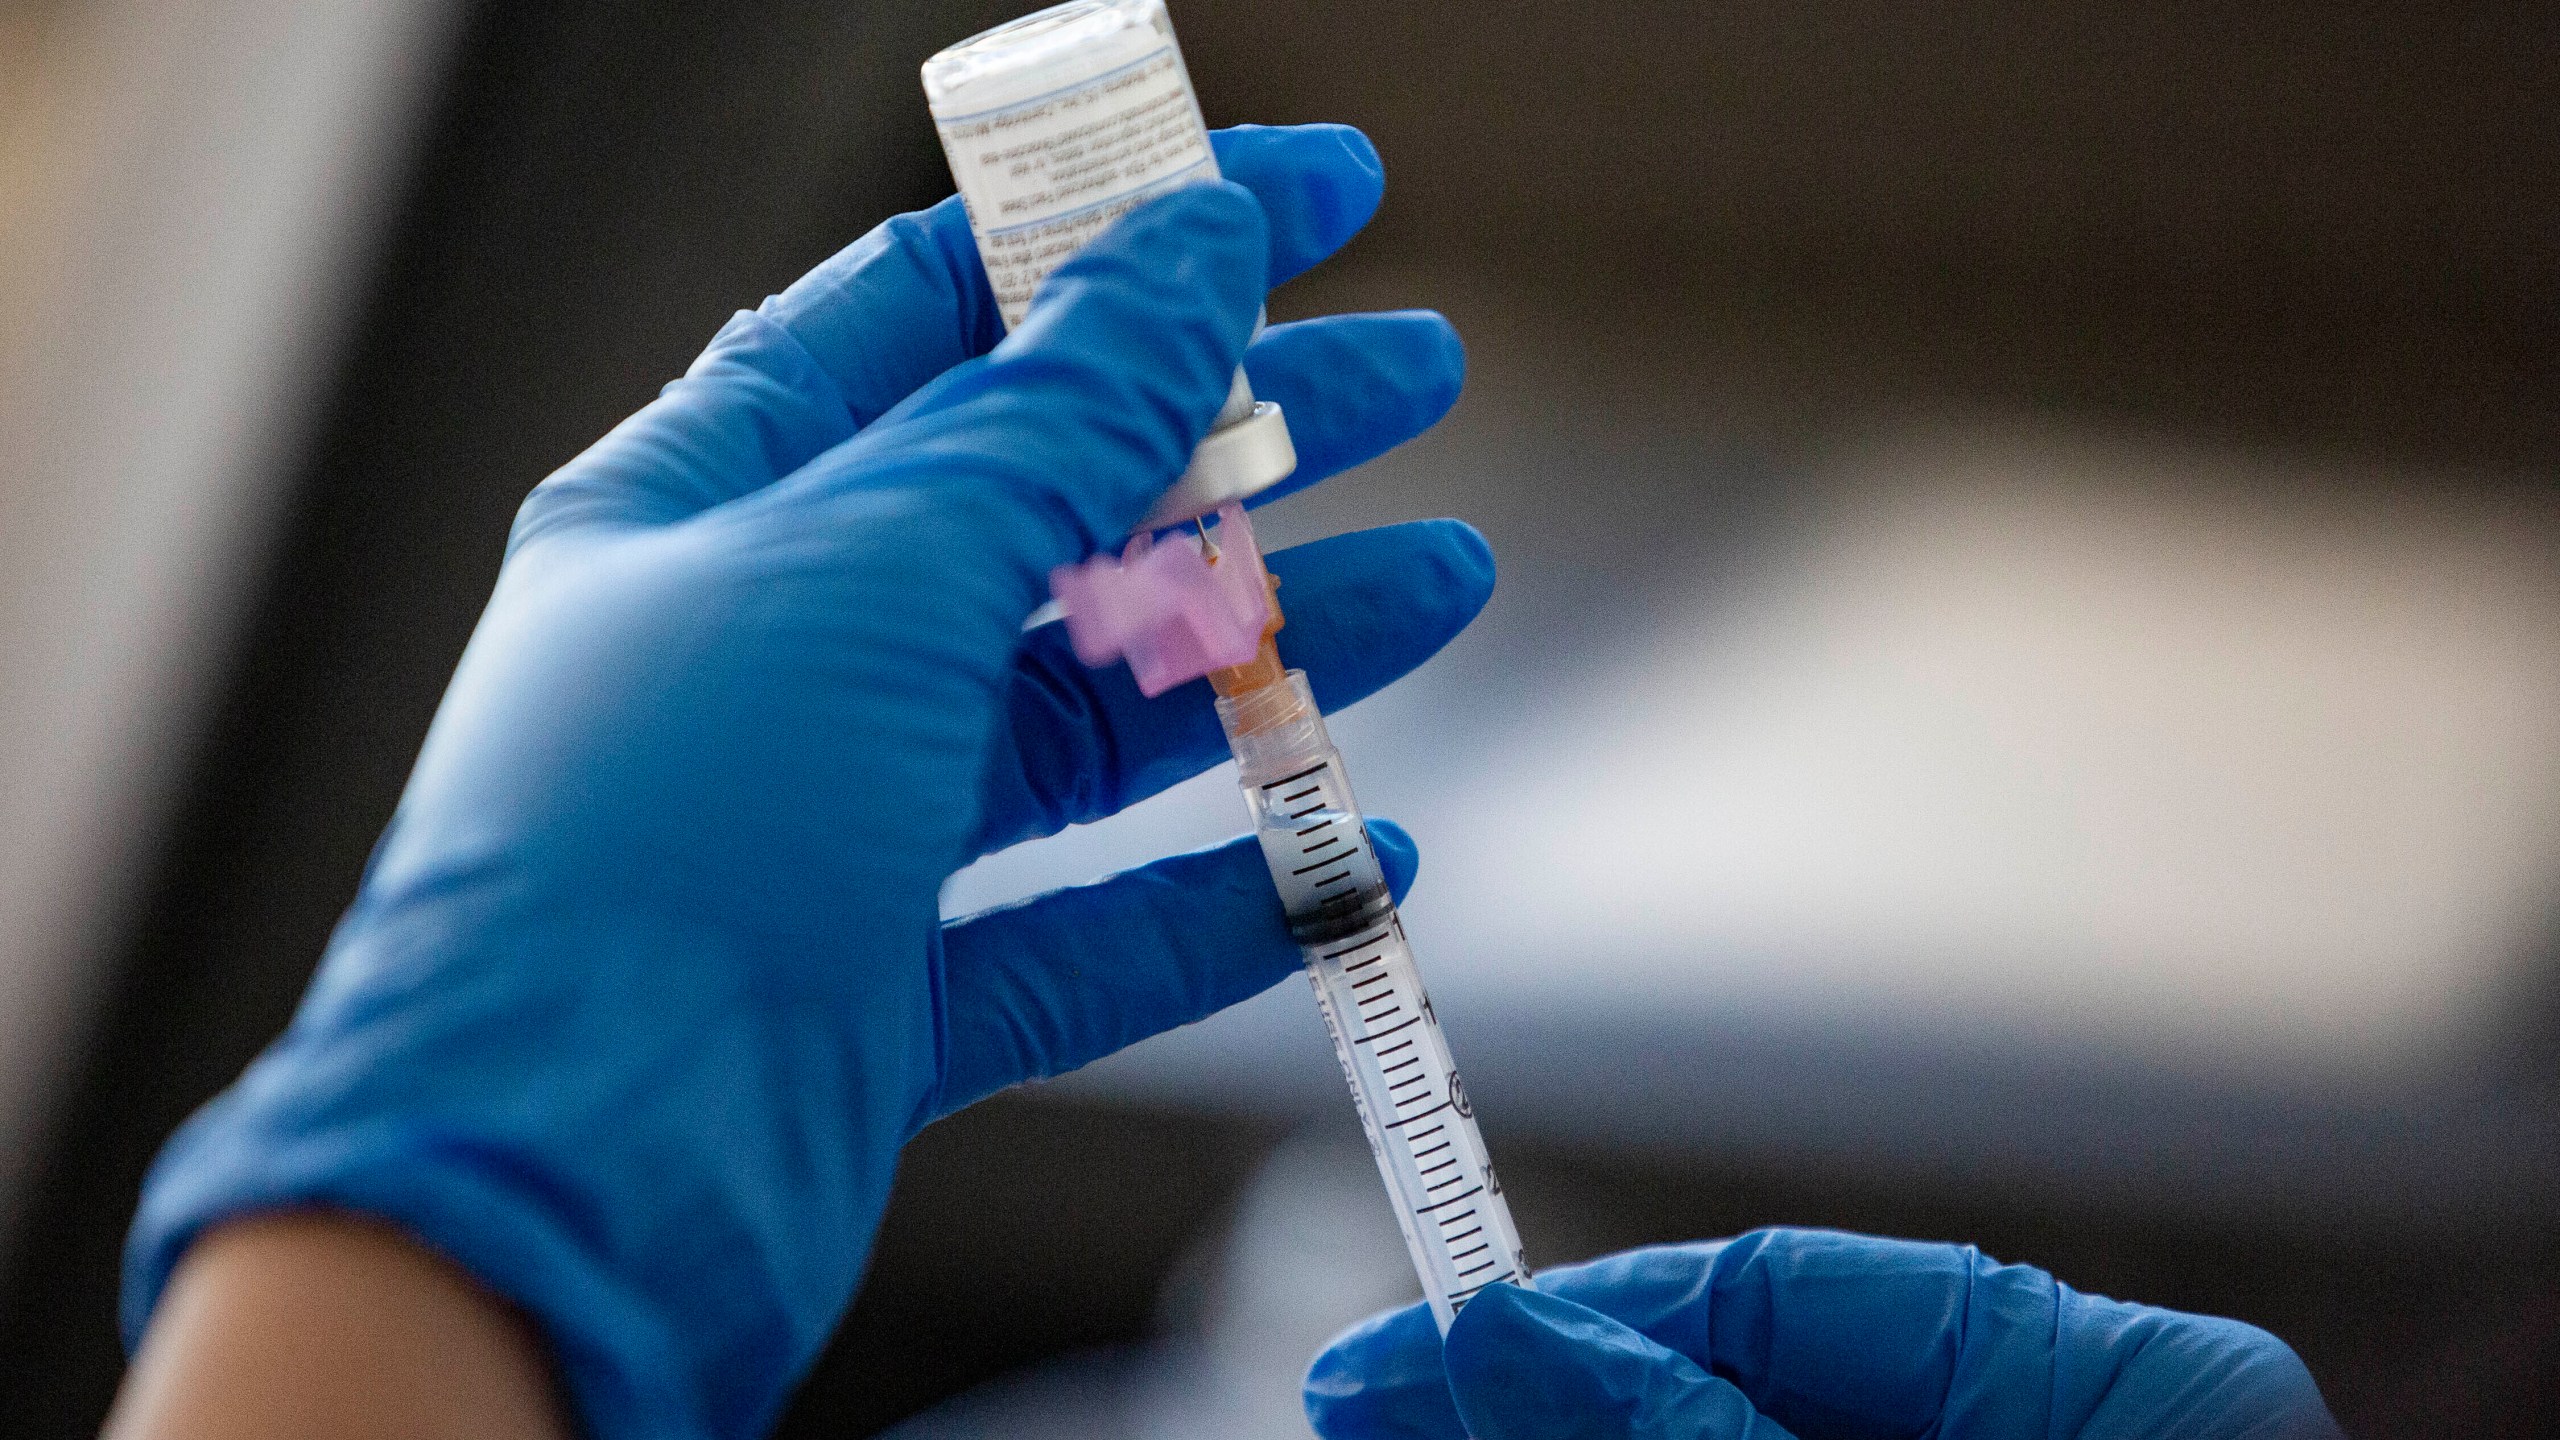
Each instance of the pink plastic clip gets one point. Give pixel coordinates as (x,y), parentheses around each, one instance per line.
(1165,608)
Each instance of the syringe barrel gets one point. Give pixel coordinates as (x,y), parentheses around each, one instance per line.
(1278,737)
(1414,1108)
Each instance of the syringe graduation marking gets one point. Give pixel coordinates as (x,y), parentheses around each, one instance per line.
(1301,775)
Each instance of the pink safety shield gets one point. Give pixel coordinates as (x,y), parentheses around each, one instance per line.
(1165,608)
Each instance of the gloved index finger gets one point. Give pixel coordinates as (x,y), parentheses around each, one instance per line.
(910,300)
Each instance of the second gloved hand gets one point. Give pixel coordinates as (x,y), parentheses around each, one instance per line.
(1809,1335)
(645,986)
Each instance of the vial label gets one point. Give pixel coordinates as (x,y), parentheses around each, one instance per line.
(1043,176)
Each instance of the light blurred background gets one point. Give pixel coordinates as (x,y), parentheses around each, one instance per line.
(2023,707)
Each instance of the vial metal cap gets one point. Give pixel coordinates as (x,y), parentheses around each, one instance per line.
(1233,462)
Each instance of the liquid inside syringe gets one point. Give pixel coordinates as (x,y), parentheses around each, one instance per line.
(1412,1104)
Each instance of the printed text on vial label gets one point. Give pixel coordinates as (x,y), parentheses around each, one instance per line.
(1042,178)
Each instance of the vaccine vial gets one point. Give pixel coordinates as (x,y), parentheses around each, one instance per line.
(1056,125)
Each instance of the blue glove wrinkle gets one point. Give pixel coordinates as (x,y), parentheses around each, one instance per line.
(2096,1343)
(752,408)
(1841,1335)
(916,278)
(1663,1292)
(1355,386)
(1363,609)
(2006,1345)
(804,412)
(2123,1371)
(2013,1331)
(1524,1365)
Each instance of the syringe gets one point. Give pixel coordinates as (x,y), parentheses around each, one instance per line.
(1414,1107)
(1056,124)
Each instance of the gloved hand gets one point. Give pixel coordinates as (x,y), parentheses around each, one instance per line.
(644,986)
(1814,1335)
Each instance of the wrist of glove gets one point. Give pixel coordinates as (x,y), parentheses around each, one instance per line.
(1809,1335)
(645,985)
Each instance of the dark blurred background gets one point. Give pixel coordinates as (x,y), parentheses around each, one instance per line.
(2028,599)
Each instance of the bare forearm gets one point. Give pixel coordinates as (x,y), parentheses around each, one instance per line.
(311,1324)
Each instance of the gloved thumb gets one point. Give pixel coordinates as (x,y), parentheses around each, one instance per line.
(1090,408)
(1528,1366)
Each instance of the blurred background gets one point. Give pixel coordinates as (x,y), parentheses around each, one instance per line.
(2029,628)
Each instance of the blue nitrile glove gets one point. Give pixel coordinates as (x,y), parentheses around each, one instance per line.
(1809,1335)
(644,987)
